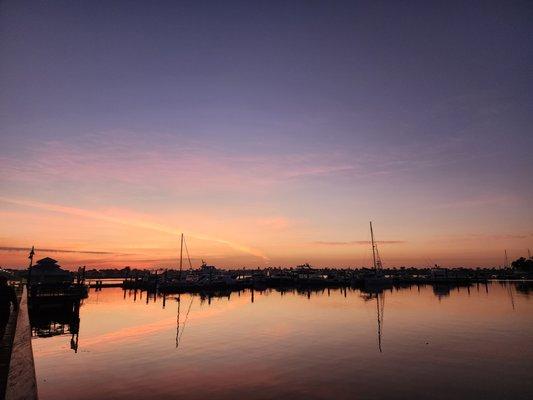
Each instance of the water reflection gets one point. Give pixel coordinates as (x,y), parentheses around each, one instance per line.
(56,317)
(179,333)
(379,296)
(289,343)
(524,287)
(62,317)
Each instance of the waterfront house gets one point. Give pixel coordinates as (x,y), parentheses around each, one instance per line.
(47,271)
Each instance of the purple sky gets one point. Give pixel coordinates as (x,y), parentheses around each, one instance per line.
(271,132)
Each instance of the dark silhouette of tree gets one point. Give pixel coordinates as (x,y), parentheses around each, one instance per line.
(523,264)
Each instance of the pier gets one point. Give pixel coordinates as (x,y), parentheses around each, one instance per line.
(17,370)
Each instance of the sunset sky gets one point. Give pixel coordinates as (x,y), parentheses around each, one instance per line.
(269,132)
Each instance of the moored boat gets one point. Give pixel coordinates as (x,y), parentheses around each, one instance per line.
(376,278)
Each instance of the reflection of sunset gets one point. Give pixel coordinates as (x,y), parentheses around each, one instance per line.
(238,345)
(118,237)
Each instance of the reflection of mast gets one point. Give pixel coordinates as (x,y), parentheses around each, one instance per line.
(179,295)
(178,322)
(178,333)
(380,307)
(510,291)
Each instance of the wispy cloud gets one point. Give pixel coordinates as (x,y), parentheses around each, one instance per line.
(276,223)
(159,159)
(26,249)
(143,224)
(357,242)
(498,237)
(165,161)
(480,237)
(498,200)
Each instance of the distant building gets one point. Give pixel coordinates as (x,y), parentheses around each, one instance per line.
(47,270)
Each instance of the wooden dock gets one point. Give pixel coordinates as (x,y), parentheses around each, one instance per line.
(99,284)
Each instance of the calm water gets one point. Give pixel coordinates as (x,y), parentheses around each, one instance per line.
(435,343)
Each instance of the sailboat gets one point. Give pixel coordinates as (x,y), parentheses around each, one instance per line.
(179,282)
(376,277)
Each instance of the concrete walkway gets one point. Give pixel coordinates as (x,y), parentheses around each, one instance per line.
(6,343)
(17,370)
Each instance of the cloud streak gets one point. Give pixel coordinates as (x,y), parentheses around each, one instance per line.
(494,201)
(130,158)
(129,222)
(481,237)
(357,242)
(26,249)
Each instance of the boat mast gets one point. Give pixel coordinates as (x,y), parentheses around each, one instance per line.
(373,246)
(506,261)
(181,256)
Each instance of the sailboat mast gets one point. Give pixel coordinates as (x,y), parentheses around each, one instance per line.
(181,255)
(373,245)
(506,261)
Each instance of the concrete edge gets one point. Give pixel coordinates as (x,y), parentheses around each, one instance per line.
(21,381)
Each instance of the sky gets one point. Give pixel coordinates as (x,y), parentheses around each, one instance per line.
(269,132)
